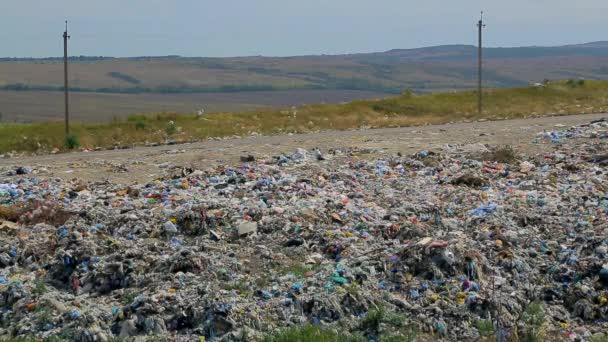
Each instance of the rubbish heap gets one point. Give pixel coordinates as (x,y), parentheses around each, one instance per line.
(445,239)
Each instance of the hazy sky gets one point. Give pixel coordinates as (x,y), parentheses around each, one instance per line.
(287,27)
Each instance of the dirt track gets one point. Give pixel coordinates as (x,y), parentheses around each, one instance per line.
(146,163)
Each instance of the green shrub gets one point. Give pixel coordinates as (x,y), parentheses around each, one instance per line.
(129,298)
(485,327)
(170,129)
(534,320)
(374,318)
(575,83)
(39,287)
(140,124)
(71,142)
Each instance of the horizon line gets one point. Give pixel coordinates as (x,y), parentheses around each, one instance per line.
(580,45)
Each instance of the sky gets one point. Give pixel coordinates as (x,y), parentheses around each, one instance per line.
(222,28)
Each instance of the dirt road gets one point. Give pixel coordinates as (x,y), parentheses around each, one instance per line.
(146,163)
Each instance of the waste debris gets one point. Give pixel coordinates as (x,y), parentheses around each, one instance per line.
(455,245)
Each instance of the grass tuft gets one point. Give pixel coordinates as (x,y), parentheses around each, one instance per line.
(71,142)
(140,124)
(534,322)
(504,155)
(485,328)
(311,333)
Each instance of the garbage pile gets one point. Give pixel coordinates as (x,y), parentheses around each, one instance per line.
(446,239)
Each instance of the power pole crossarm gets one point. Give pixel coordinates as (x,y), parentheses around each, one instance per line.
(65,79)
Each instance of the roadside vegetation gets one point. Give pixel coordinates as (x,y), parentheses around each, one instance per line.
(408,109)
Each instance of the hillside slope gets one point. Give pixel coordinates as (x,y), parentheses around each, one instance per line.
(424,69)
(105,88)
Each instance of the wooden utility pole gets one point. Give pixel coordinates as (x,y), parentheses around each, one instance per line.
(480,26)
(65,79)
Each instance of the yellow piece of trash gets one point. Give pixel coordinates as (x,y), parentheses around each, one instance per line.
(434,296)
(603,300)
(565,325)
(460,298)
(171,290)
(174,220)
(201,338)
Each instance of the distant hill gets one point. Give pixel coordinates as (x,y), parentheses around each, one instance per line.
(423,69)
(448,53)
(328,78)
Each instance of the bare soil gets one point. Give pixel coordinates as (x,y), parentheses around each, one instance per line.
(147,163)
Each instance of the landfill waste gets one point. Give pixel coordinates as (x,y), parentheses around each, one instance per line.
(232,253)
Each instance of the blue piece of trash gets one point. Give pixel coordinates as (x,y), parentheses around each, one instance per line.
(484,210)
(63,232)
(75,314)
(414,294)
(175,242)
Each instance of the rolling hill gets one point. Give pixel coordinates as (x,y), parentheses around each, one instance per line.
(99,80)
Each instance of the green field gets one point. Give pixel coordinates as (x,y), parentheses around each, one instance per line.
(556,98)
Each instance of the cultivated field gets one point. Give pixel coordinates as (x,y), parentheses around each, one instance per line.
(31,106)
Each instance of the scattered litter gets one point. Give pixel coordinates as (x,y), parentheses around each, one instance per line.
(438,237)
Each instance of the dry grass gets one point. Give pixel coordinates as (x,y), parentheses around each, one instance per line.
(407,110)
(504,155)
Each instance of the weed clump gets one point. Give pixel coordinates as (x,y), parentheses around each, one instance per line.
(311,333)
(575,83)
(395,330)
(39,287)
(171,128)
(485,328)
(140,124)
(71,142)
(505,155)
(534,321)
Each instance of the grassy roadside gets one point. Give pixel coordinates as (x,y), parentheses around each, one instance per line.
(557,98)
